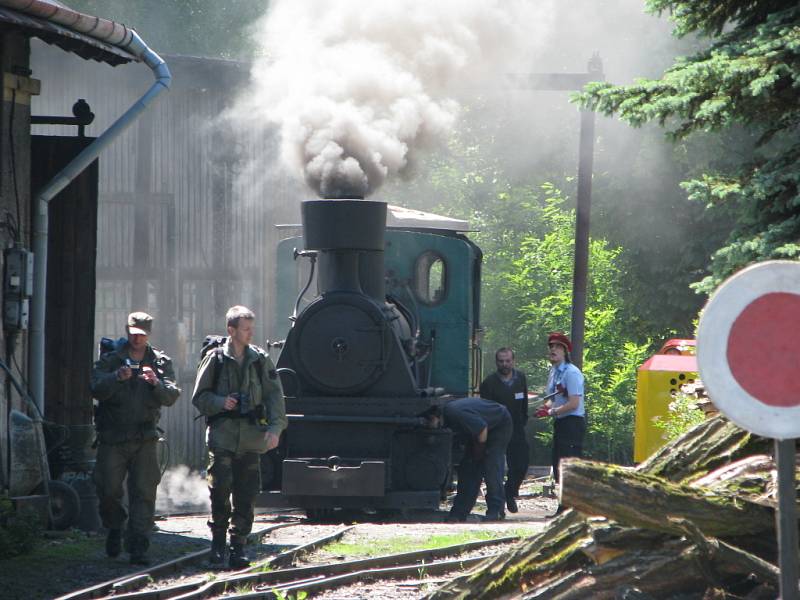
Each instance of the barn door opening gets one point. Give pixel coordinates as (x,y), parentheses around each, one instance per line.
(71,251)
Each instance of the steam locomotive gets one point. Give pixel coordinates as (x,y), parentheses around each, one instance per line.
(390,336)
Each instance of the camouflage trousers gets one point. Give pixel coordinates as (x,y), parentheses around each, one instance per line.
(233,483)
(138,461)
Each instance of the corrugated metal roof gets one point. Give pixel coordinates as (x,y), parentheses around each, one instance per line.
(71,41)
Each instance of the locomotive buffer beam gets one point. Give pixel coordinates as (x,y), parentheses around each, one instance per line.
(418,500)
(331,477)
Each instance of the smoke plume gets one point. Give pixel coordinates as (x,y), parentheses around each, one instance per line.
(357,89)
(182,490)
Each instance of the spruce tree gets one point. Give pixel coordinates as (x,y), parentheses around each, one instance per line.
(745,79)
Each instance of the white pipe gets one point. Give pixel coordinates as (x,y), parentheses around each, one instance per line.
(129,40)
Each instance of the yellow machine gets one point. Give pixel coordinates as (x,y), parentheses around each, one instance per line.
(657,381)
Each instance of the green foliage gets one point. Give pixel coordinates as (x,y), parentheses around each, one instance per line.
(748,78)
(527,237)
(191,27)
(539,287)
(683,415)
(19,533)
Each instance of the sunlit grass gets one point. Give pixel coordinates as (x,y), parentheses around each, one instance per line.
(400,544)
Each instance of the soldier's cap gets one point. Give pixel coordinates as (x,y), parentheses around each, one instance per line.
(140,323)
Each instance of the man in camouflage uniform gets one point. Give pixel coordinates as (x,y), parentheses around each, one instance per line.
(239,392)
(131,384)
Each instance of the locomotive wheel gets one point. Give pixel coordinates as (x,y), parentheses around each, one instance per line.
(65,504)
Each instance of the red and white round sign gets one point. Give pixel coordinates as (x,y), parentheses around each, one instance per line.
(748,349)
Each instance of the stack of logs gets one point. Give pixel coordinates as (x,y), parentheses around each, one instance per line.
(696,520)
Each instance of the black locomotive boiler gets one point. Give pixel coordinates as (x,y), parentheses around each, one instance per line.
(395,316)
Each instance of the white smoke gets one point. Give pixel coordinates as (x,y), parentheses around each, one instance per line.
(358,89)
(182,490)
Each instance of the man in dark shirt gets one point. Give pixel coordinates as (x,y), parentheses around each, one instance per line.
(485,427)
(509,387)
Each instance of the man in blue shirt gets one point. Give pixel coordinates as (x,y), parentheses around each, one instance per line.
(485,426)
(567,406)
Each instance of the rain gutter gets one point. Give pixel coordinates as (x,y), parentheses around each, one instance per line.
(122,37)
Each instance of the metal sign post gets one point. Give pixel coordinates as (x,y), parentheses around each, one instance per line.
(576,81)
(748,361)
(787,518)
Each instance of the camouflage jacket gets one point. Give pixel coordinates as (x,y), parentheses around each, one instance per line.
(130,409)
(227,430)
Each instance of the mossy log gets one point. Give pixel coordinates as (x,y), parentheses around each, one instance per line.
(754,478)
(593,558)
(677,569)
(706,447)
(684,521)
(549,555)
(636,499)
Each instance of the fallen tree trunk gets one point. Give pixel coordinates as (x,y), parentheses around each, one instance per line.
(636,499)
(693,519)
(548,555)
(677,569)
(577,558)
(706,447)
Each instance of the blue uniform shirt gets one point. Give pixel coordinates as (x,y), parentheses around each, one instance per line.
(468,416)
(569,376)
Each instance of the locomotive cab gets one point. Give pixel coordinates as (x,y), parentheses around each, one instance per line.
(387,339)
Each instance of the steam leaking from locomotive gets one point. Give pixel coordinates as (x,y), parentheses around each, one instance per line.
(359,89)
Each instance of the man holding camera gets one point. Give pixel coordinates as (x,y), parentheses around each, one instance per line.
(238,391)
(131,384)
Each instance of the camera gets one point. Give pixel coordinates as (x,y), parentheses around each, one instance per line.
(254,414)
(243,405)
(133,365)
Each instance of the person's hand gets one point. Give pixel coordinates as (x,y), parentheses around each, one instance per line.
(124,373)
(272,440)
(542,412)
(230,403)
(149,376)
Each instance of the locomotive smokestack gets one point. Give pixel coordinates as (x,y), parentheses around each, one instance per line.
(349,235)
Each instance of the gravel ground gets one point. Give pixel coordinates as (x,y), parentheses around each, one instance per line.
(74,560)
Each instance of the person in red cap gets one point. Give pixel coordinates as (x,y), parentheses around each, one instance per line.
(566,406)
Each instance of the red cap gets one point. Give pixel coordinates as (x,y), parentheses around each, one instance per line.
(560,338)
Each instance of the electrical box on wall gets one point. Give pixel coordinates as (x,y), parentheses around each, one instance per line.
(17,287)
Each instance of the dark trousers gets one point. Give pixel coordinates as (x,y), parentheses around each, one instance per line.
(233,483)
(568,435)
(491,469)
(138,461)
(517,460)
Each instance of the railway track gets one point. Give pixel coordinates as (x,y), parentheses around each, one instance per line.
(274,576)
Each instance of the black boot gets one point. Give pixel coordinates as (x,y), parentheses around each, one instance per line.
(238,559)
(216,558)
(511,504)
(138,545)
(114,542)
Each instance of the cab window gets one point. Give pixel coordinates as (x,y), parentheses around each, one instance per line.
(430,278)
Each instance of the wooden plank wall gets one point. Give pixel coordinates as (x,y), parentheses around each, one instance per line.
(205,237)
(70,280)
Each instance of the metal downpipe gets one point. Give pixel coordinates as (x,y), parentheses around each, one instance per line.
(42,201)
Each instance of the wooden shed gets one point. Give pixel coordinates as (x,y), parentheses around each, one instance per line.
(185,223)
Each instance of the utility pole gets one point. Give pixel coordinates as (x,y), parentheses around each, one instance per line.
(580,275)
